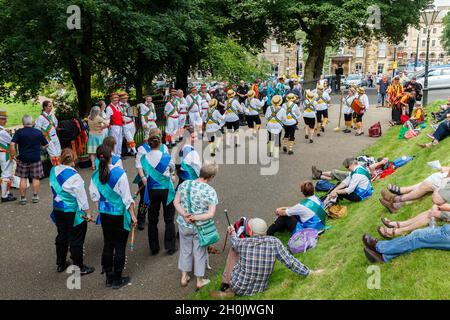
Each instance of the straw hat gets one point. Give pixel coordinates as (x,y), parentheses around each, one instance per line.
(231,93)
(114,94)
(3,115)
(309,94)
(258,226)
(123,95)
(361,90)
(213,103)
(291,97)
(277,100)
(251,94)
(319,87)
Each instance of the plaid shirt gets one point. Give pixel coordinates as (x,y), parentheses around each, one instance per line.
(257,257)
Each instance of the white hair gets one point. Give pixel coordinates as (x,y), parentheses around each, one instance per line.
(27,120)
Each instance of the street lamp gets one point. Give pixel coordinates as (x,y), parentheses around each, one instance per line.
(299,46)
(429,17)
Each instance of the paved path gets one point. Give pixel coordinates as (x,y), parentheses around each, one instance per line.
(27,253)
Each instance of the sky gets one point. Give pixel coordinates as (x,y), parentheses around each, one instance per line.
(442,2)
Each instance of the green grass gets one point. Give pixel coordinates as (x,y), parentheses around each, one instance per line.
(17,110)
(423,274)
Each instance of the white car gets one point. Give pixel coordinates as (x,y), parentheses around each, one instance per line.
(438,78)
(353,80)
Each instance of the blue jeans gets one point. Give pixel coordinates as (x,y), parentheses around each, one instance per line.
(442,131)
(427,238)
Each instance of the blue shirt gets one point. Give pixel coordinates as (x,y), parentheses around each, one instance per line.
(30,141)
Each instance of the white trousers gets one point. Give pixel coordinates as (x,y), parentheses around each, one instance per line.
(195,119)
(172,126)
(6,167)
(117,133)
(54,147)
(181,121)
(129,130)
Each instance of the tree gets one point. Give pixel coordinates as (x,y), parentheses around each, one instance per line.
(446,33)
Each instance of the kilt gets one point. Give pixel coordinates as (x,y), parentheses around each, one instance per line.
(32,170)
(94,141)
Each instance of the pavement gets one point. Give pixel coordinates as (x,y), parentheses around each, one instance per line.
(27,252)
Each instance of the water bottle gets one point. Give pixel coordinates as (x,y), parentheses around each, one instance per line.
(433,222)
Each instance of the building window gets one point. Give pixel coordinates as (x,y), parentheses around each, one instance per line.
(422,55)
(359,51)
(424,43)
(432,55)
(380,68)
(275,70)
(382,50)
(358,68)
(424,30)
(434,30)
(433,43)
(274,47)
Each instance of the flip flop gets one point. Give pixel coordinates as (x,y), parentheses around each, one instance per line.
(388,222)
(382,231)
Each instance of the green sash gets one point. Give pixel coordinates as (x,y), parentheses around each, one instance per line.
(274,116)
(230,107)
(47,130)
(194,101)
(189,170)
(361,170)
(163,180)
(5,148)
(173,110)
(69,200)
(114,199)
(210,117)
(317,209)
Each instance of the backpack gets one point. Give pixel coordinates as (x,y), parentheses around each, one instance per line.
(375,130)
(324,185)
(303,240)
(242,228)
(337,211)
(399,162)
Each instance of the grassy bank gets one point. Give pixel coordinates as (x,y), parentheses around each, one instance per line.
(17,110)
(423,274)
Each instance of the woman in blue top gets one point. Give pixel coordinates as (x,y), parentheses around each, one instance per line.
(110,188)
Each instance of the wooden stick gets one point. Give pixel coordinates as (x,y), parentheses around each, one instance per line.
(132,239)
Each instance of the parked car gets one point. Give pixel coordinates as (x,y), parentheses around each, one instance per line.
(353,80)
(438,78)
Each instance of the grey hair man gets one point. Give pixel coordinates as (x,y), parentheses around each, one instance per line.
(29,165)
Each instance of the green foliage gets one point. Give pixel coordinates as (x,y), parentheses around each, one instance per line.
(446,32)
(419,275)
(17,110)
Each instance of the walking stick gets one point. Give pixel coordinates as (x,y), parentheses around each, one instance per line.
(226,234)
(338,128)
(132,239)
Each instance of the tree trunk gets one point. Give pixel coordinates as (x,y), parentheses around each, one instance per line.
(182,77)
(316,55)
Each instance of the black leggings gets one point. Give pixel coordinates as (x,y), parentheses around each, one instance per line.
(348,117)
(252,120)
(233,125)
(310,122)
(273,136)
(321,114)
(69,236)
(289,132)
(158,197)
(353,197)
(282,224)
(115,239)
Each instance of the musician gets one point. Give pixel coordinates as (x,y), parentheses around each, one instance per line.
(252,108)
(347,110)
(364,99)
(275,116)
(290,124)
(214,124)
(129,128)
(401,107)
(395,92)
(309,115)
(194,107)
(182,112)
(70,213)
(48,123)
(171,114)
(232,111)
(321,103)
(114,113)
(110,189)
(148,116)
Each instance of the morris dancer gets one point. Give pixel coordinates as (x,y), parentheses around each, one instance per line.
(116,160)
(395,92)
(70,213)
(182,111)
(232,110)
(292,116)
(252,108)
(48,123)
(171,113)
(275,116)
(159,190)
(309,115)
(114,113)
(111,190)
(347,110)
(204,102)
(365,102)
(129,128)
(194,107)
(148,116)
(214,124)
(6,163)
(321,103)
(190,160)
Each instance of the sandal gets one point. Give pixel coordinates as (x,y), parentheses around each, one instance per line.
(383,231)
(394,189)
(205,282)
(185,283)
(388,223)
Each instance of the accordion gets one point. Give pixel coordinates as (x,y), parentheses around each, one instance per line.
(357,106)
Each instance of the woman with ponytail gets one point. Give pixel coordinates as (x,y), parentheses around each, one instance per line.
(159,169)
(110,188)
(70,212)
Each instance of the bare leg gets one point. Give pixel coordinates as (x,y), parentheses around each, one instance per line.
(35,185)
(417,193)
(23,187)
(421,221)
(92,156)
(404,190)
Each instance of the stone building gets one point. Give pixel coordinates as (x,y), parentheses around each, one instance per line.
(283,58)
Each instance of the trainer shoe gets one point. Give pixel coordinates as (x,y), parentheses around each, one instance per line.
(23,201)
(9,198)
(119,283)
(86,270)
(35,198)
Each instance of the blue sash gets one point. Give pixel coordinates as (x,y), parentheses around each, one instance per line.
(68,202)
(363,193)
(115,159)
(187,172)
(157,174)
(114,205)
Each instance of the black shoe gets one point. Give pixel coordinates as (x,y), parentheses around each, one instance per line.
(290,152)
(109,282)
(119,283)
(346,131)
(86,270)
(369,241)
(373,256)
(141,226)
(213,155)
(318,134)
(154,252)
(171,252)
(311,141)
(306,137)
(63,267)
(322,129)
(9,198)
(285,149)
(224,287)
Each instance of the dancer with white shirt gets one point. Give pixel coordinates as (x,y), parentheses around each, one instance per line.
(48,123)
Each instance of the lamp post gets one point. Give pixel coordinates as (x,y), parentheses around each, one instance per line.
(417,52)
(297,69)
(429,17)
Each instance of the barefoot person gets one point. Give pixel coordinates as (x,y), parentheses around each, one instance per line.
(111,190)
(195,203)
(70,213)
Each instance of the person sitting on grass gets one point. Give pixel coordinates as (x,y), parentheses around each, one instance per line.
(442,132)
(356,187)
(441,198)
(308,213)
(441,115)
(368,162)
(427,238)
(397,196)
(256,260)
